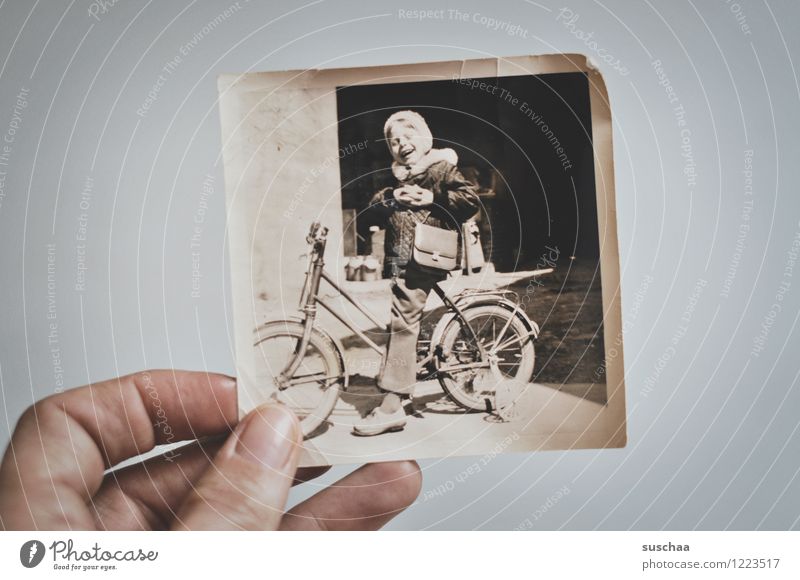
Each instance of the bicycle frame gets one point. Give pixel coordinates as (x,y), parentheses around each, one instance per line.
(310,298)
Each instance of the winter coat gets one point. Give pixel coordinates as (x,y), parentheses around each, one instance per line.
(454,201)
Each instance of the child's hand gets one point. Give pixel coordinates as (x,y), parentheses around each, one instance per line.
(405,194)
(414,196)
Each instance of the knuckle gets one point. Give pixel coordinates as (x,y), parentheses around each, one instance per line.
(38,413)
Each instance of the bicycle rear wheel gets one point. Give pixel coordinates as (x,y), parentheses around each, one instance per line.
(314,388)
(469,377)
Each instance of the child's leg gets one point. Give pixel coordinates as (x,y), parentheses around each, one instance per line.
(399,372)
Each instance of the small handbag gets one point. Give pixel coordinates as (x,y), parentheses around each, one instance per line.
(435,248)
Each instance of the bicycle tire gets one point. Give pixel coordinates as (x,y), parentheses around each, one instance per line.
(457,387)
(327,360)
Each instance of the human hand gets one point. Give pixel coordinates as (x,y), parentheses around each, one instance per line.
(52,475)
(414,196)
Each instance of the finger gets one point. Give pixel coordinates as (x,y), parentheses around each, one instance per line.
(247,485)
(366,499)
(62,445)
(147,495)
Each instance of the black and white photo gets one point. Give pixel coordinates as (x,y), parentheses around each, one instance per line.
(422,256)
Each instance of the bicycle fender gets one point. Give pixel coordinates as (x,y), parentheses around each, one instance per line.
(321,332)
(470,302)
(466,304)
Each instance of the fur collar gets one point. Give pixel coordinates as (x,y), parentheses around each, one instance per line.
(407,172)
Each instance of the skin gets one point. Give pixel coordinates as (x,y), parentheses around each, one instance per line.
(236,474)
(406,144)
(407,147)
(414,196)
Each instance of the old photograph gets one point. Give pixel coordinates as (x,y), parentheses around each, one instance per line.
(424,258)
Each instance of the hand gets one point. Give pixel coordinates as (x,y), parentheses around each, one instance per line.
(52,475)
(414,196)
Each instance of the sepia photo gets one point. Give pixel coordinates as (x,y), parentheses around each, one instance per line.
(424,257)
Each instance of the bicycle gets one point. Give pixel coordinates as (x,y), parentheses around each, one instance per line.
(483,338)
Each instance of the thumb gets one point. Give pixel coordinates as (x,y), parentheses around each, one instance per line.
(248,482)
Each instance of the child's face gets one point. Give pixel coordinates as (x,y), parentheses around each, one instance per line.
(406,144)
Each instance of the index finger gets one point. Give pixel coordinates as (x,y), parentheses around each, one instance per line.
(62,444)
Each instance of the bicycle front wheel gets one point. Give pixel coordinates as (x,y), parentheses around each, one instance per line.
(469,370)
(314,388)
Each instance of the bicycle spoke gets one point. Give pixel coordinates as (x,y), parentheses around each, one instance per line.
(510,341)
(321,378)
(308,390)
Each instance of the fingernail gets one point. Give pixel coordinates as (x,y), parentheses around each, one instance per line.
(228,381)
(268,436)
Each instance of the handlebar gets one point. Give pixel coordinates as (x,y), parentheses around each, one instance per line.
(317,233)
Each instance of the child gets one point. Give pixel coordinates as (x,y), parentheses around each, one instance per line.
(429,188)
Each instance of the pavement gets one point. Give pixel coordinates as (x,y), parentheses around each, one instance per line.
(547,418)
(561,410)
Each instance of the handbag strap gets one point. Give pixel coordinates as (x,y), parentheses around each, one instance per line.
(425,219)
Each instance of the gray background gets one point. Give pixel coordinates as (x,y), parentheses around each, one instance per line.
(713,439)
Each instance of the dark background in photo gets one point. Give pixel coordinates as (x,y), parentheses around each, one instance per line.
(534,198)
